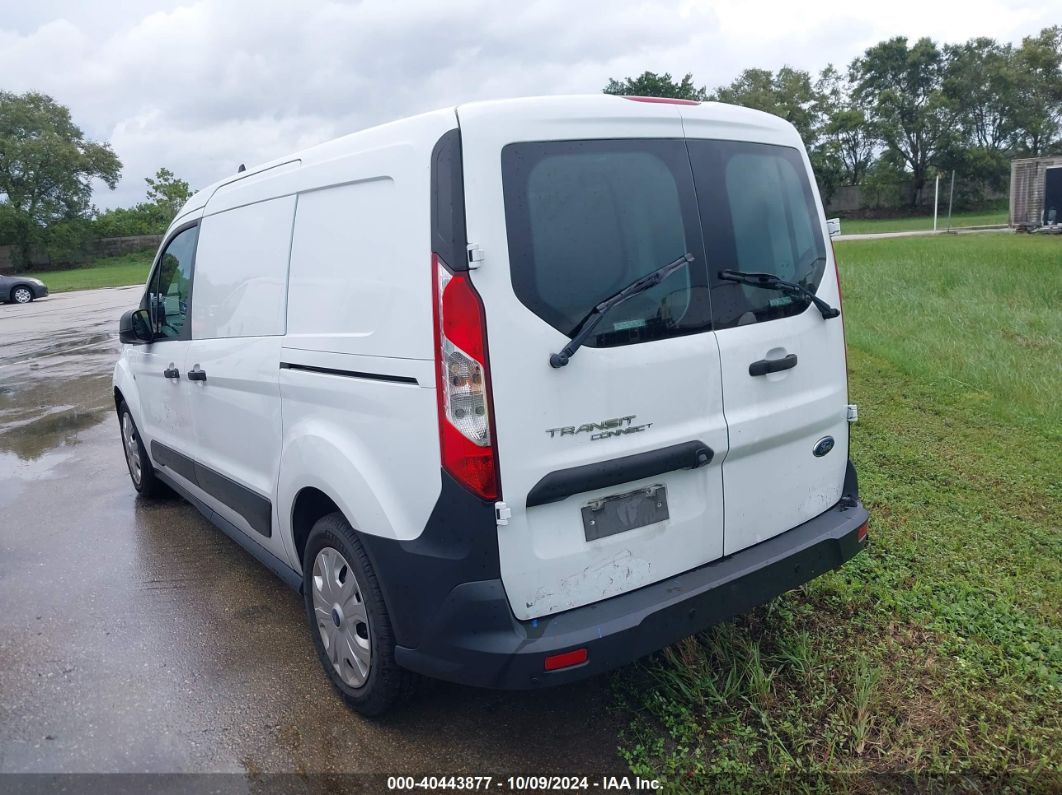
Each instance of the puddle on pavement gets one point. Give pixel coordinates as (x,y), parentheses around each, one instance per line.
(49,394)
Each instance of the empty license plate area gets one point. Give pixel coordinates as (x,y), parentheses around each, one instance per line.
(622,512)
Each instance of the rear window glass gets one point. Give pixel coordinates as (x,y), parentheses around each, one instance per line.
(759,215)
(587,218)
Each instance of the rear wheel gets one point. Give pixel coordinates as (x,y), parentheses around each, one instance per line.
(141,472)
(21,295)
(348,619)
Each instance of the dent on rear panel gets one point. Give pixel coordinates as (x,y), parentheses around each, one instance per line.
(619,573)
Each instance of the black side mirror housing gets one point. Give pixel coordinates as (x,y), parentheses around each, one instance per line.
(135,328)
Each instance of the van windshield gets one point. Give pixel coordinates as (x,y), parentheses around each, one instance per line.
(587,218)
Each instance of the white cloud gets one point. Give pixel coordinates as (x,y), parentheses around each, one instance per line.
(201,86)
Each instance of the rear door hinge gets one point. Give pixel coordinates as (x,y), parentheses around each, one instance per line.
(502,513)
(853,412)
(475,256)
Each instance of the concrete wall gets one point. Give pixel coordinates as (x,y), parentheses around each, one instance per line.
(113,246)
(104,247)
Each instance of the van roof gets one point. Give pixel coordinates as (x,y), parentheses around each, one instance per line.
(557,106)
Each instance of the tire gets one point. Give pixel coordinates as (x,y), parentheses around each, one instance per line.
(347,615)
(141,472)
(21,294)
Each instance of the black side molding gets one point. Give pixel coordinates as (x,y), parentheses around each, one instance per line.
(256,509)
(565,482)
(309,368)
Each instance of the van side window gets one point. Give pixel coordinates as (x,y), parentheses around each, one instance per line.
(759,214)
(171,286)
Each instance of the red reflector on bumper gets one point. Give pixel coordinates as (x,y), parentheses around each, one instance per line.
(566,659)
(861,533)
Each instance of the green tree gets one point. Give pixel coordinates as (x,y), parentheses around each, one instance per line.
(166,194)
(47,167)
(650,84)
(847,132)
(1038,111)
(982,82)
(904,89)
(789,94)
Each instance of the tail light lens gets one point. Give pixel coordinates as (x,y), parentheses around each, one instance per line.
(466,437)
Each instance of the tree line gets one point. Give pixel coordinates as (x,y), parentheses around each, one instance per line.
(901,112)
(47,170)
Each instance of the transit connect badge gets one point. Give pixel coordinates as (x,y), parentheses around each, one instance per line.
(603,429)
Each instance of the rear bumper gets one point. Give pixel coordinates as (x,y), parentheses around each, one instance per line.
(474,639)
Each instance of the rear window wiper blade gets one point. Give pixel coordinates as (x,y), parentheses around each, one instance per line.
(768,281)
(590,321)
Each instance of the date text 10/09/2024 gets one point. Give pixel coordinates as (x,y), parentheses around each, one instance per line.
(521,783)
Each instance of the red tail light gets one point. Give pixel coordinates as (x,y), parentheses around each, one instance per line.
(462,378)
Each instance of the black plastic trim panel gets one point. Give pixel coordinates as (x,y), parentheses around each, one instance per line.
(459,544)
(563,483)
(256,509)
(448,236)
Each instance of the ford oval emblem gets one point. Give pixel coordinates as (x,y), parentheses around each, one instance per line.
(823,446)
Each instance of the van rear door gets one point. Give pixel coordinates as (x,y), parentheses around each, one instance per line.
(785,390)
(611,465)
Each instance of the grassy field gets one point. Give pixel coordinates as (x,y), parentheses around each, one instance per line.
(106,272)
(867,226)
(935,657)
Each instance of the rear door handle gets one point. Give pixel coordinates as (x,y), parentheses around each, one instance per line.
(195,374)
(171,372)
(764,366)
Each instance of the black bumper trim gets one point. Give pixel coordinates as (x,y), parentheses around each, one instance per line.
(475,640)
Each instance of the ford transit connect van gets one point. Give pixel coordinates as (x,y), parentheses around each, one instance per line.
(514,392)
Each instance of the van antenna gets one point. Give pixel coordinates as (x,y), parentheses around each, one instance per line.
(241,169)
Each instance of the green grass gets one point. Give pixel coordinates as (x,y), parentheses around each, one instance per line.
(866,226)
(935,657)
(107,272)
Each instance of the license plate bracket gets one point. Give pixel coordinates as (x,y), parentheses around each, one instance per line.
(619,513)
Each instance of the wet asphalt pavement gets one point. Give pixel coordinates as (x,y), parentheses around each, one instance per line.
(134,637)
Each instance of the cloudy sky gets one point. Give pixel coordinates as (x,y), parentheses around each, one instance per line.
(202,86)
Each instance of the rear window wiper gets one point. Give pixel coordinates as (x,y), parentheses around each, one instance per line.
(588,323)
(768,281)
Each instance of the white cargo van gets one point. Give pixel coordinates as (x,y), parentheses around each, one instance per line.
(514,392)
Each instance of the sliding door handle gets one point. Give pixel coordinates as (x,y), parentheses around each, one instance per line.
(195,374)
(171,372)
(764,366)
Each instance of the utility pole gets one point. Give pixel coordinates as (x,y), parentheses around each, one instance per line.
(936,201)
(951,197)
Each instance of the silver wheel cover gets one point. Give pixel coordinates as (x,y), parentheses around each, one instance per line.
(339,612)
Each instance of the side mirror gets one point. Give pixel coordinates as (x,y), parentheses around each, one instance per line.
(834,225)
(135,327)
